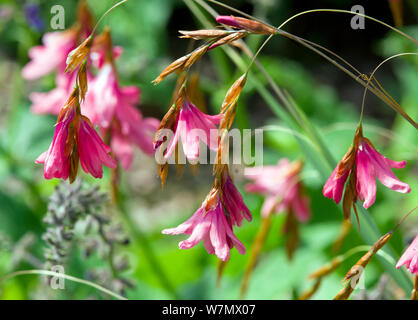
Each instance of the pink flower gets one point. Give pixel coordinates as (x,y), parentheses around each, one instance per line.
(103,97)
(410,257)
(333,188)
(371,165)
(210,225)
(113,107)
(51,55)
(92,151)
(51,102)
(282,188)
(367,164)
(192,126)
(233,202)
(56,159)
(75,141)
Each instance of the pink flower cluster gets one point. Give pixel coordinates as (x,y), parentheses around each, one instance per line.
(107,104)
(212,223)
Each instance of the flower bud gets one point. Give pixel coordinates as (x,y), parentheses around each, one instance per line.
(76,56)
(251,26)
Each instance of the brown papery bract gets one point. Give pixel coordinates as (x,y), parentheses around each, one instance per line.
(175,66)
(234,92)
(76,56)
(82,80)
(229,39)
(203,34)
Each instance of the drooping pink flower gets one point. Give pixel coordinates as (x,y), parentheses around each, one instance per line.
(370,165)
(233,202)
(51,55)
(75,141)
(281,186)
(333,188)
(113,107)
(192,126)
(92,151)
(56,159)
(364,164)
(409,259)
(210,225)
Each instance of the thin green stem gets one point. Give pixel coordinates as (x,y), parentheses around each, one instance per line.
(372,77)
(313,11)
(365,248)
(258,52)
(311,45)
(105,14)
(64,276)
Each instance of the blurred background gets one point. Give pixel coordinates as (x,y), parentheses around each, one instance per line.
(152,265)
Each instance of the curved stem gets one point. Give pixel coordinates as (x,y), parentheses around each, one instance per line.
(313,11)
(105,14)
(372,76)
(310,46)
(64,276)
(258,52)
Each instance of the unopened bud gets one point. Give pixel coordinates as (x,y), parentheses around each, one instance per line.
(251,26)
(76,56)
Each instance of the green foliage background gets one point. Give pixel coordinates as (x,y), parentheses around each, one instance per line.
(147,31)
